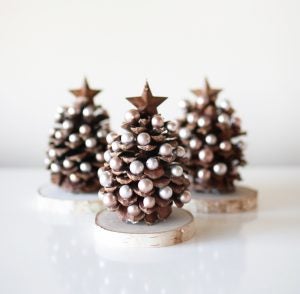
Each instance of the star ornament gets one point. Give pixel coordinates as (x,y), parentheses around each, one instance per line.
(147,102)
(85,93)
(207,91)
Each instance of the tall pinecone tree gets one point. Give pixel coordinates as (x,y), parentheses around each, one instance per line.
(77,143)
(143,177)
(211,132)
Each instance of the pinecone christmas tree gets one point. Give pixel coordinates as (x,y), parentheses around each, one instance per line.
(77,143)
(143,177)
(211,132)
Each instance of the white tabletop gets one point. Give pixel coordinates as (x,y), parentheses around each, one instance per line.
(255,252)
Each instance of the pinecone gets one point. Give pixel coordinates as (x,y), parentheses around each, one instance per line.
(77,143)
(142,177)
(211,132)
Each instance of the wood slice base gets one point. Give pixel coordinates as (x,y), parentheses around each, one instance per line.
(111,231)
(54,199)
(243,199)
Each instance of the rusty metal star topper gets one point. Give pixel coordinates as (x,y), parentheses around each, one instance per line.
(207,91)
(147,102)
(85,93)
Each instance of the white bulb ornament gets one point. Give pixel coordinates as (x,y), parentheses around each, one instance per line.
(165,193)
(58,135)
(220,169)
(165,149)
(136,167)
(125,192)
(68,163)
(143,139)
(67,125)
(145,185)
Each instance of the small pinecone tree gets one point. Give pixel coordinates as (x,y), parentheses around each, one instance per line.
(77,143)
(143,177)
(211,132)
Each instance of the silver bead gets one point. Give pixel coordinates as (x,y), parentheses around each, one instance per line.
(203,121)
(85,167)
(133,210)
(90,142)
(165,192)
(136,167)
(184,133)
(100,156)
(101,133)
(177,170)
(88,111)
(60,109)
(149,202)
(52,153)
(143,139)
(67,125)
(107,156)
(204,174)
(71,111)
(125,192)
(85,129)
(73,138)
(165,149)
(115,146)
(195,143)
(220,169)
(192,117)
(115,163)
(127,138)
(55,167)
(206,155)
(185,197)
(225,146)
(68,163)
(157,121)
(172,126)
(224,118)
(106,179)
(74,178)
(111,137)
(211,139)
(132,115)
(180,151)
(58,135)
(145,185)
(109,200)
(202,100)
(184,104)
(100,171)
(152,163)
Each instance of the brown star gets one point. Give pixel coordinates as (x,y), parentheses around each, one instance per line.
(85,92)
(147,102)
(207,91)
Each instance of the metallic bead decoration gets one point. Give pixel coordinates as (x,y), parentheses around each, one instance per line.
(165,149)
(202,100)
(203,121)
(55,167)
(152,163)
(73,138)
(165,192)
(85,129)
(100,171)
(111,137)
(195,143)
(143,139)
(220,169)
(52,153)
(68,163)
(206,155)
(172,126)
(107,156)
(149,202)
(192,117)
(136,167)
(100,157)
(204,174)
(47,161)
(157,121)
(225,104)
(106,179)
(225,146)
(132,115)
(145,185)
(85,167)
(211,139)
(184,133)
(125,192)
(67,125)
(180,151)
(184,104)
(58,135)
(71,111)
(101,133)
(109,200)
(90,142)
(88,111)
(74,178)
(185,197)
(224,118)
(60,109)
(115,163)
(177,170)
(127,138)
(115,146)
(133,210)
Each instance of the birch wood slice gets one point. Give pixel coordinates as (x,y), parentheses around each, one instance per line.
(178,228)
(54,199)
(243,199)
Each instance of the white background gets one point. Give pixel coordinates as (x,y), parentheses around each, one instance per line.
(250,48)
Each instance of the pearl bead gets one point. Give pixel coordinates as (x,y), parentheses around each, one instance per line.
(73,138)
(115,146)
(143,139)
(185,197)
(225,146)
(106,179)
(90,142)
(172,126)
(206,155)
(100,171)
(58,135)
(55,167)
(165,192)
(149,202)
(109,200)
(68,163)
(152,163)
(195,143)
(224,118)
(107,156)
(57,117)
(192,117)
(211,139)
(85,167)
(85,129)
(74,178)
(101,133)
(125,191)
(132,115)
(136,167)
(184,104)
(145,185)
(51,132)
(52,153)
(180,151)
(111,137)
(177,170)
(220,169)
(47,161)
(60,109)
(133,210)
(71,111)
(88,111)
(204,174)
(184,133)
(127,138)
(67,125)
(203,121)
(157,121)
(202,100)
(165,149)
(115,163)
(100,157)
(225,104)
